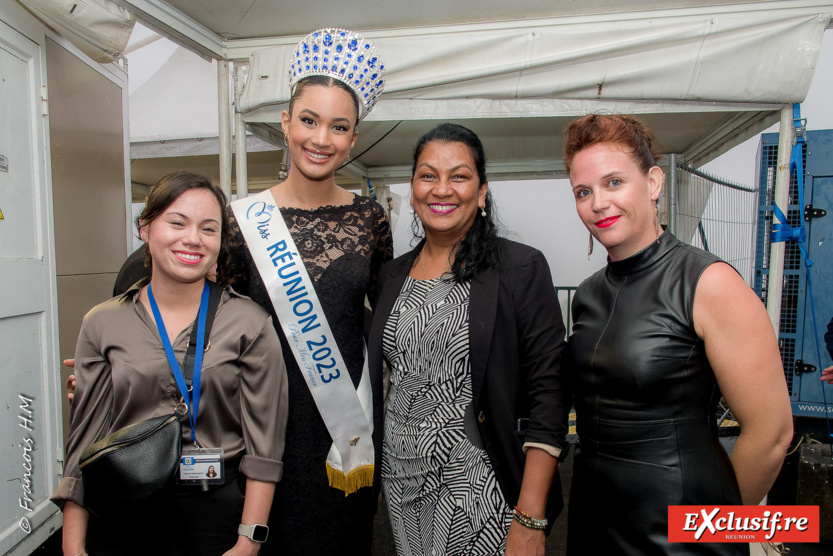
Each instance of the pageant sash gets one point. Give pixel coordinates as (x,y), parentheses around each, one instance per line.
(347,413)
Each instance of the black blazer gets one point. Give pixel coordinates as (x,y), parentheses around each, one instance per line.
(516,338)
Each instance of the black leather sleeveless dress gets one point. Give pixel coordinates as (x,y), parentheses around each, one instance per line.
(645,398)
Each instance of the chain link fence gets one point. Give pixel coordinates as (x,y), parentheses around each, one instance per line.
(718,216)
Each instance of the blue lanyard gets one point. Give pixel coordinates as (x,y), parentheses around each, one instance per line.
(192,398)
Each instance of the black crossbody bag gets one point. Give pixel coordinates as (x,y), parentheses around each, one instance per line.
(136,464)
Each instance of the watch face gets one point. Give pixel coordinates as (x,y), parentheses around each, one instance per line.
(259,533)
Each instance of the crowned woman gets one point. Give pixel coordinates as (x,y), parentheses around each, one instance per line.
(309,251)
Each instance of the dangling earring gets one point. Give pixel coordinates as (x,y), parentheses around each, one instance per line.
(483,212)
(411,210)
(285,140)
(656,223)
(590,247)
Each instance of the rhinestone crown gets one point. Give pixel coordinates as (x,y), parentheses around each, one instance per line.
(343,55)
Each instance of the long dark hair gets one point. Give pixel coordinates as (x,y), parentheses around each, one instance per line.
(168,190)
(478,250)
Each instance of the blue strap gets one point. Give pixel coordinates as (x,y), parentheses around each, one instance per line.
(371,191)
(192,397)
(783,232)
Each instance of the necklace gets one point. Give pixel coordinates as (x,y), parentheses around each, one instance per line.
(425,274)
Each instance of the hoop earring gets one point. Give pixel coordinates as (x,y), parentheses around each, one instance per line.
(590,247)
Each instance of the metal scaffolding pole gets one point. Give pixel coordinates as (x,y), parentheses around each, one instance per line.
(672,194)
(775,283)
(223,95)
(241,167)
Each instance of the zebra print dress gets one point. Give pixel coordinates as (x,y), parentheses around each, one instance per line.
(441,490)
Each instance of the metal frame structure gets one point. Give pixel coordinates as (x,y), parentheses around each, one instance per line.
(731,119)
(796,333)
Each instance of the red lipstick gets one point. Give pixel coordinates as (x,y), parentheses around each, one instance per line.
(607,222)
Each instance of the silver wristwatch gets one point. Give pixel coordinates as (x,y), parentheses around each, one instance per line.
(256,532)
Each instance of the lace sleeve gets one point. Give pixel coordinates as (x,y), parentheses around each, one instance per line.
(383,251)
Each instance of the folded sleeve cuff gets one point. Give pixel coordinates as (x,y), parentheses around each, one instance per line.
(69,489)
(551,450)
(261,469)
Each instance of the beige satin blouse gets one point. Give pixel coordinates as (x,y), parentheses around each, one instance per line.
(123,376)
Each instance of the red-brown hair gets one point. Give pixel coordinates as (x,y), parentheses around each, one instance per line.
(626,131)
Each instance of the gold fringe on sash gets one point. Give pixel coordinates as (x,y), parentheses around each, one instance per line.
(353,480)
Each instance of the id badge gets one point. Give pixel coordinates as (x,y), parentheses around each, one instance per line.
(200,466)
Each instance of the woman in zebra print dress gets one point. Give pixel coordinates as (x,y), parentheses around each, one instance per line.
(471,329)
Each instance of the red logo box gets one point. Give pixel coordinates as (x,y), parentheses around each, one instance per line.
(743,524)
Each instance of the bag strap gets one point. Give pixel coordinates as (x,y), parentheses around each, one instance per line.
(215,292)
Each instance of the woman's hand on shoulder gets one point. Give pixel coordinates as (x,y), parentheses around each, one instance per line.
(523,541)
(70,385)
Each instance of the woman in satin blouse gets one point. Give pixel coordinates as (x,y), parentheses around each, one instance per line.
(659,335)
(124,376)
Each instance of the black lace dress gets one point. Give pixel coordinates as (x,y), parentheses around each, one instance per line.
(343,248)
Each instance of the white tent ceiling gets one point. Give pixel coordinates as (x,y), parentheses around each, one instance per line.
(706,74)
(256,19)
(267,18)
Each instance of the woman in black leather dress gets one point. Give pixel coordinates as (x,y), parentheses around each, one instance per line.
(658,335)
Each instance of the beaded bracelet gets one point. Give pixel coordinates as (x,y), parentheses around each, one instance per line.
(528,521)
